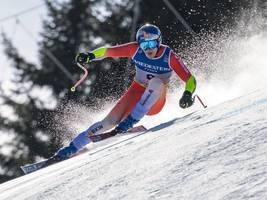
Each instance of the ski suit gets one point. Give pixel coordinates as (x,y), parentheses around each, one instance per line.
(147,93)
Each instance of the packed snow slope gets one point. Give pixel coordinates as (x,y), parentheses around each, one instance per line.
(216,153)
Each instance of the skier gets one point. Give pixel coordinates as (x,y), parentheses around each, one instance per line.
(154,64)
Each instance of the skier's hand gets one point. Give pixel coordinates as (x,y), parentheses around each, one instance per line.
(83,58)
(186,100)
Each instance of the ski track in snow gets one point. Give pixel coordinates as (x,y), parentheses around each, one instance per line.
(217,153)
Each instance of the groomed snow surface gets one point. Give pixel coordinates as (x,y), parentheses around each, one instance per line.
(216,153)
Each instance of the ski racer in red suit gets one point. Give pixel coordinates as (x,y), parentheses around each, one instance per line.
(154,64)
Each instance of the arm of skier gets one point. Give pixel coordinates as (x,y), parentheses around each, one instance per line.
(181,70)
(120,51)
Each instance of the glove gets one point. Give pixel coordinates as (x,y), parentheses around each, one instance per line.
(83,58)
(186,100)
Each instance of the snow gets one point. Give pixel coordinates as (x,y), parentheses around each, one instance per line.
(216,153)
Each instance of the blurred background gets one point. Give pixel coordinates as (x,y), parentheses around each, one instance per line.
(218,39)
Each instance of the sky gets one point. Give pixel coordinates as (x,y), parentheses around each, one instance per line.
(26,42)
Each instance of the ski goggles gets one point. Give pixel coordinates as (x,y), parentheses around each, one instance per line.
(151,44)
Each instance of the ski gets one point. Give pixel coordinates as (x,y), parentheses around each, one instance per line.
(29,168)
(103,136)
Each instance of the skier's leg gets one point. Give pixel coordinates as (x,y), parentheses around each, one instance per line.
(151,102)
(82,139)
(120,110)
(126,104)
(157,107)
(123,107)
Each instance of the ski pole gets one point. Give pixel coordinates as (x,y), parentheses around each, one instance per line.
(200,101)
(81,79)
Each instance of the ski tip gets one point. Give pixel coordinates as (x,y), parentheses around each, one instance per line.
(23,169)
(29,168)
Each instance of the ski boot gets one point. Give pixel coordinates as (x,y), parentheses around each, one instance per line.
(125,125)
(65,152)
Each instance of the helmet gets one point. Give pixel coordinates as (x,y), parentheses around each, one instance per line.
(148,32)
